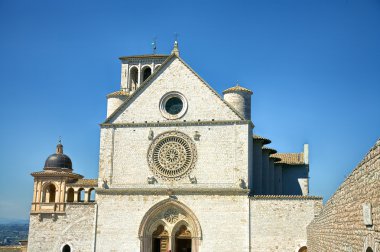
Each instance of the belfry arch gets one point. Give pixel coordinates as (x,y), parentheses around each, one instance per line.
(175,223)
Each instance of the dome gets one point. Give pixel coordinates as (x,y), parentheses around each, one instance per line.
(58,160)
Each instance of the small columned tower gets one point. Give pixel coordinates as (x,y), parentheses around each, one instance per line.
(49,194)
(240,98)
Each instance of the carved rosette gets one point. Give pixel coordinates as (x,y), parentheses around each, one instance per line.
(171,215)
(172,155)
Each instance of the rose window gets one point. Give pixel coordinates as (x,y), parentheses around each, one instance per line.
(172,155)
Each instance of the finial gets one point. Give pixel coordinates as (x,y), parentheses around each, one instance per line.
(154,45)
(175,48)
(59,146)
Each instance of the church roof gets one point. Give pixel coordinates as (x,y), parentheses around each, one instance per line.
(260,138)
(58,160)
(237,88)
(118,93)
(271,151)
(85,182)
(144,56)
(290,158)
(154,74)
(274,158)
(48,173)
(304,197)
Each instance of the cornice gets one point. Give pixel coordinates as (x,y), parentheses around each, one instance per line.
(177,123)
(285,197)
(144,56)
(173,191)
(56,174)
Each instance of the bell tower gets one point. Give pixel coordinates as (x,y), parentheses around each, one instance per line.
(49,195)
(136,69)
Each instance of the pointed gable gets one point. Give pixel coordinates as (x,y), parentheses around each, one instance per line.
(174,75)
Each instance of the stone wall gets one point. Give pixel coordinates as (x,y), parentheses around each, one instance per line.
(76,228)
(223,220)
(341,224)
(278,223)
(221,149)
(16,248)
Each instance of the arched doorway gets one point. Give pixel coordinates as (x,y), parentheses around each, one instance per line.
(66,248)
(369,249)
(170,225)
(303,249)
(160,239)
(183,240)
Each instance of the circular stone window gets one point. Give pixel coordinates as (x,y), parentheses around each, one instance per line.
(172,155)
(173,105)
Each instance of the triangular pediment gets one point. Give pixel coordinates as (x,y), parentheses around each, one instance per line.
(174,76)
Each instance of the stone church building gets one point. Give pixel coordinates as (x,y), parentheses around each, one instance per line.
(180,170)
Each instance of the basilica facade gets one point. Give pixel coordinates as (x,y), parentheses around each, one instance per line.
(180,170)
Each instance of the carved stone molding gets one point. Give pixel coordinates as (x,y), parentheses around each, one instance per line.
(171,215)
(175,123)
(186,191)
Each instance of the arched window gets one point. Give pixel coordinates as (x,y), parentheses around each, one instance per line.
(49,194)
(146,73)
(66,248)
(91,195)
(160,239)
(303,249)
(81,195)
(70,195)
(369,249)
(133,78)
(183,240)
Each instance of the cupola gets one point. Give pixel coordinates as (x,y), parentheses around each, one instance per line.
(58,160)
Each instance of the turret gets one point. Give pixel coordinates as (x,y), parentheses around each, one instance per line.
(239,98)
(114,100)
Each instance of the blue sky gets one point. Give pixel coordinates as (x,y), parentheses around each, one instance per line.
(314,68)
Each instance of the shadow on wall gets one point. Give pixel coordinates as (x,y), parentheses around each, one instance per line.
(291,176)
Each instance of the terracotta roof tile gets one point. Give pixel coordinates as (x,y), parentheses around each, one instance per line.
(237,88)
(48,173)
(265,140)
(271,151)
(85,182)
(144,56)
(118,93)
(274,158)
(290,158)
